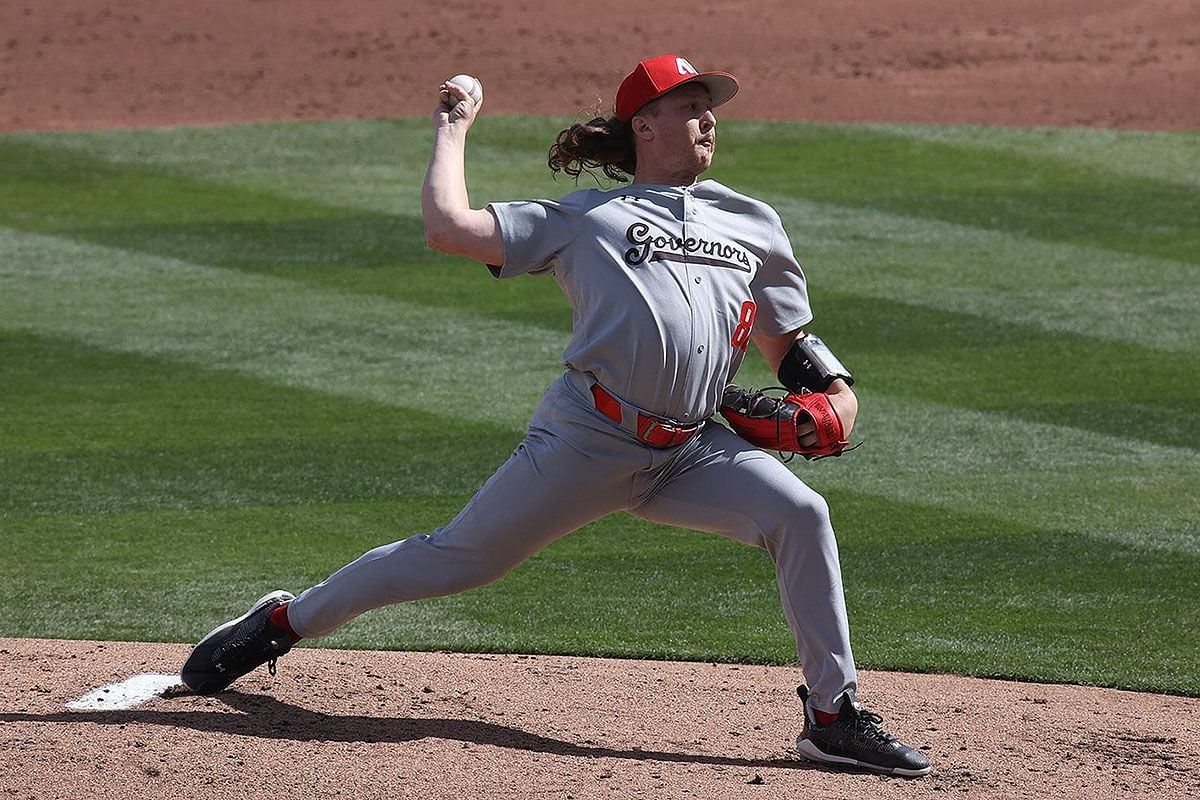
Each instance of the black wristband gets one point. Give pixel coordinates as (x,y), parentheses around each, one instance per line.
(810,365)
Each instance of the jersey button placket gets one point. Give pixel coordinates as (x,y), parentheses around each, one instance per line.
(688,217)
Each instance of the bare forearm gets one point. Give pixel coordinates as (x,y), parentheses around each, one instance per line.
(444,200)
(774,348)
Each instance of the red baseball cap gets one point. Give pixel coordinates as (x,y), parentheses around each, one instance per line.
(654,77)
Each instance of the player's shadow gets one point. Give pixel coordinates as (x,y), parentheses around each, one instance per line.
(268,718)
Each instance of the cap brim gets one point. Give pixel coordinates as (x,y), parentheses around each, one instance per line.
(721,86)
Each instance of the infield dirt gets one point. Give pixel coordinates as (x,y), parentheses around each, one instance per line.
(432,725)
(125,63)
(375,725)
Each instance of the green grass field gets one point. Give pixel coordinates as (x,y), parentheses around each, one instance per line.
(229,363)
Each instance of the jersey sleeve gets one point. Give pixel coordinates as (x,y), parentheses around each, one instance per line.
(780,290)
(535,232)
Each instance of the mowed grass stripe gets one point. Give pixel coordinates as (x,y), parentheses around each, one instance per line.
(1161,156)
(1054,287)
(396,354)
(924,576)
(989,365)
(1026,473)
(371,165)
(1081,289)
(345,168)
(62,396)
(927,589)
(90,431)
(375,254)
(1036,198)
(372,348)
(290,334)
(361,253)
(1086,291)
(367,164)
(48,189)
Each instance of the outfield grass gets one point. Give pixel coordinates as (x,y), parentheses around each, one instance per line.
(226,353)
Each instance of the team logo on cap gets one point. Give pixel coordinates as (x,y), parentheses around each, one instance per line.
(684,67)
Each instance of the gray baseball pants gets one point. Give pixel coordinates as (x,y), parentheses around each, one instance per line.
(575,466)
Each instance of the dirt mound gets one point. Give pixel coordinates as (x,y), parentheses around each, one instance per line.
(127,63)
(386,725)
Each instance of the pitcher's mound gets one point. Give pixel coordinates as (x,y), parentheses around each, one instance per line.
(428,725)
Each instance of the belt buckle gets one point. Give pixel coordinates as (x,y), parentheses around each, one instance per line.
(649,427)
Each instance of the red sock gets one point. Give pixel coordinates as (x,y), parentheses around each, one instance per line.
(279,619)
(824,717)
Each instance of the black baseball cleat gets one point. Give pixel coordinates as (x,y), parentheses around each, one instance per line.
(857,740)
(237,647)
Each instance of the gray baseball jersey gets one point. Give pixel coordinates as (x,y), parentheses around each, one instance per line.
(666,283)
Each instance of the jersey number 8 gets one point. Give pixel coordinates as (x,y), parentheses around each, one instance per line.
(741,334)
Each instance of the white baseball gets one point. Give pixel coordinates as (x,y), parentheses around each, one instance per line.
(471,86)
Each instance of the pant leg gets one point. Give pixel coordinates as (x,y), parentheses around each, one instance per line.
(726,485)
(549,487)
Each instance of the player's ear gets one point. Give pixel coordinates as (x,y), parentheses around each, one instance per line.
(642,127)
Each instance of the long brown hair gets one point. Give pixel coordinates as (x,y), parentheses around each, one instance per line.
(603,143)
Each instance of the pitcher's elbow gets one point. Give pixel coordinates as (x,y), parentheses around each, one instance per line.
(437,239)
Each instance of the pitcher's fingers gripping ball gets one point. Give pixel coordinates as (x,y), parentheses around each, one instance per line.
(459,100)
(471,86)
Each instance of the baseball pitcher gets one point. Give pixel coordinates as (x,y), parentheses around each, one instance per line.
(670,278)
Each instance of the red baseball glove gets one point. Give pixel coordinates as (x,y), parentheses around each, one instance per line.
(771,422)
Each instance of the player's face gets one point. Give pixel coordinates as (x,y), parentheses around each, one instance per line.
(685,129)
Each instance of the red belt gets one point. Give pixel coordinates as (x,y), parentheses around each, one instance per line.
(651,430)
